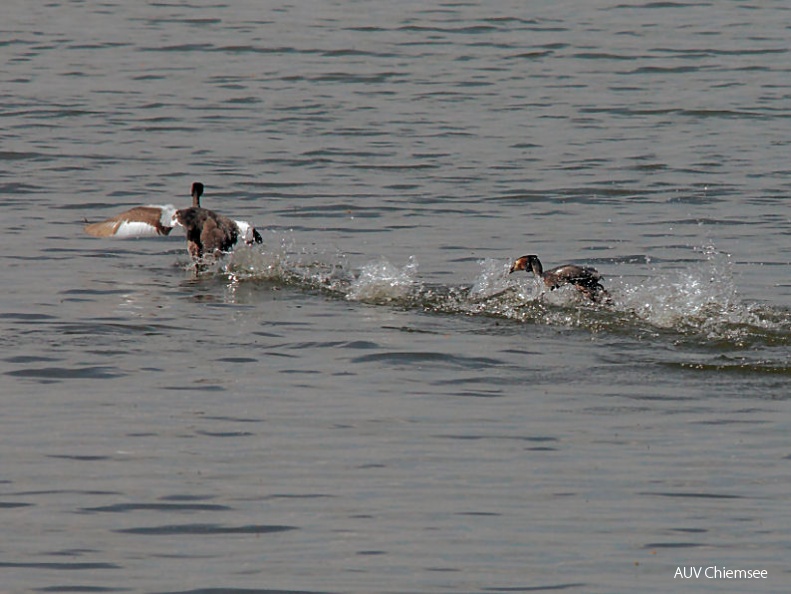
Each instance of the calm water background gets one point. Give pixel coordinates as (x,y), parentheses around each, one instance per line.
(369,403)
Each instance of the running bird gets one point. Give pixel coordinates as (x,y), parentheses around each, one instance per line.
(585,279)
(208,233)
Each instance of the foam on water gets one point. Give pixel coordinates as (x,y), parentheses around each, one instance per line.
(698,301)
(280,261)
(492,281)
(688,296)
(269,262)
(382,282)
(701,299)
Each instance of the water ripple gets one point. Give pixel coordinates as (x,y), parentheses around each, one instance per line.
(206,529)
(48,375)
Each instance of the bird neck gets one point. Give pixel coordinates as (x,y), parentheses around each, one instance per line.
(535,265)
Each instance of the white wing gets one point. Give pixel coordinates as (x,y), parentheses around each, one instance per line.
(140,221)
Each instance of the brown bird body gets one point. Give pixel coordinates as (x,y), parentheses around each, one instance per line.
(207,231)
(584,278)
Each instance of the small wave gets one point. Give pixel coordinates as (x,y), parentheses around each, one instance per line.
(702,300)
(698,303)
(686,297)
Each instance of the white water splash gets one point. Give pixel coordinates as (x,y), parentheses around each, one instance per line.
(267,262)
(701,299)
(670,299)
(695,300)
(382,282)
(492,280)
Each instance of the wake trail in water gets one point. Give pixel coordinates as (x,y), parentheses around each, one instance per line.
(697,304)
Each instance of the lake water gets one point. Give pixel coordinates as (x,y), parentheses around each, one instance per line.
(369,402)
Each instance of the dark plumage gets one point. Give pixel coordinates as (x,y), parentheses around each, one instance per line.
(584,278)
(209,232)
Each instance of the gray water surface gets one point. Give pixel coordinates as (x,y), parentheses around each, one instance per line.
(369,402)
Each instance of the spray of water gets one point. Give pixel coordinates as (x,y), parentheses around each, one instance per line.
(684,297)
(381,282)
(698,301)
